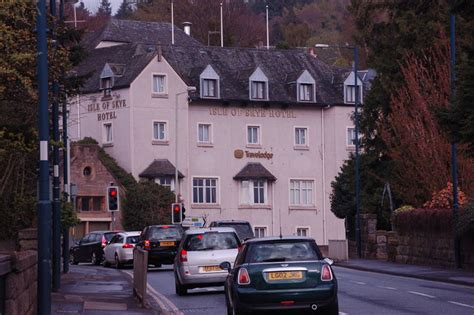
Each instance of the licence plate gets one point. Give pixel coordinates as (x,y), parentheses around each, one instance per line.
(166,243)
(211,268)
(285,275)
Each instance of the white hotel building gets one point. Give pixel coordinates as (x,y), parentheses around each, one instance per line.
(260,139)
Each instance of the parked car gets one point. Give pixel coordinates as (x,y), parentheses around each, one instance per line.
(119,251)
(90,247)
(243,228)
(161,242)
(199,257)
(287,273)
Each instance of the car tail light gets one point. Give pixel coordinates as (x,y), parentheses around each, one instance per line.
(243,277)
(104,242)
(239,248)
(183,256)
(287,302)
(126,245)
(146,244)
(326,273)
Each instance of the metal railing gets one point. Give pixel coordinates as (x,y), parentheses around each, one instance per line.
(140,268)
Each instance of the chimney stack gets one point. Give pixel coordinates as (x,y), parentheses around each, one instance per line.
(187,27)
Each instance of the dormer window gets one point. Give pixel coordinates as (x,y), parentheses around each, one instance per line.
(258,85)
(209,83)
(107,77)
(350,94)
(306,87)
(350,89)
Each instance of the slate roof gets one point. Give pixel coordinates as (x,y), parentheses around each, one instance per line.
(254,170)
(159,168)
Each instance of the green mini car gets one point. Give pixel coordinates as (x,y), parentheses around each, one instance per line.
(281,273)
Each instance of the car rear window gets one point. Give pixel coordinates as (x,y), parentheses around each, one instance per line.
(160,233)
(243,230)
(211,241)
(132,239)
(108,236)
(282,251)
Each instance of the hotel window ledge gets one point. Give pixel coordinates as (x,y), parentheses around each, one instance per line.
(205,144)
(304,208)
(253,146)
(205,206)
(301,147)
(265,207)
(107,145)
(160,142)
(159,95)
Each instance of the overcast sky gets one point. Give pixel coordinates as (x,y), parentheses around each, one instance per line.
(92,5)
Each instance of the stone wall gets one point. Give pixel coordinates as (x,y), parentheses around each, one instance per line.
(411,248)
(21,275)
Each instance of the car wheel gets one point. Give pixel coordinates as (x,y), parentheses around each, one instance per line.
(230,310)
(118,264)
(331,309)
(106,263)
(72,259)
(94,259)
(180,289)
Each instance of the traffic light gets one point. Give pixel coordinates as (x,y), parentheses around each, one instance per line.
(176,213)
(112,198)
(183,210)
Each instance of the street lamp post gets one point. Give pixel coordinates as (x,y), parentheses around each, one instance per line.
(176,189)
(356,118)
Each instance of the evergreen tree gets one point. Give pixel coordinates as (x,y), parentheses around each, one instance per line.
(105,8)
(124,11)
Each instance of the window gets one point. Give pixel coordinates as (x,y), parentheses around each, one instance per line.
(159,83)
(85,203)
(301,136)
(306,92)
(302,231)
(204,190)
(253,135)
(301,192)
(106,85)
(351,136)
(253,192)
(108,134)
(350,93)
(209,88)
(97,203)
(260,231)
(166,181)
(258,90)
(204,133)
(159,130)
(87,171)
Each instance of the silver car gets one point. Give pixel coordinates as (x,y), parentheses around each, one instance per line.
(199,255)
(119,251)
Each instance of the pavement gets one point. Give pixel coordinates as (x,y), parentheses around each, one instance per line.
(95,290)
(454,276)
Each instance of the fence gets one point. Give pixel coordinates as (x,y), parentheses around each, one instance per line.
(338,250)
(140,268)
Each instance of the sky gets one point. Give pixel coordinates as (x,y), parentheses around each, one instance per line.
(92,5)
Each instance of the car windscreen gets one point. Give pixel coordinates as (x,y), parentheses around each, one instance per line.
(108,236)
(243,230)
(282,251)
(211,241)
(160,233)
(132,239)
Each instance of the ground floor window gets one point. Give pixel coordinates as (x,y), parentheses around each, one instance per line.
(204,190)
(253,192)
(166,181)
(302,231)
(89,203)
(260,231)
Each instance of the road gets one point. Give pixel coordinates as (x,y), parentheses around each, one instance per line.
(360,292)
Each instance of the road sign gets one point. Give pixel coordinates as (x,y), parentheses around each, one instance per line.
(193,221)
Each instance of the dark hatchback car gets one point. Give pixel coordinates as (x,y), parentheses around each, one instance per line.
(243,228)
(287,274)
(90,248)
(161,242)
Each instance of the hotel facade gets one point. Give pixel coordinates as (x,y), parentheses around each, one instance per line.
(255,134)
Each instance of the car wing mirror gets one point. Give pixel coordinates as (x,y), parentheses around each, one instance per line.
(328,261)
(225,266)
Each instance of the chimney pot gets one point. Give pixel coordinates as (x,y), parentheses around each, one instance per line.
(187,27)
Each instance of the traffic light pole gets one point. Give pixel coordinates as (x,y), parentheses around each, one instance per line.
(44,203)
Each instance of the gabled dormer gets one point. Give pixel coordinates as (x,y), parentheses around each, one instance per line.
(209,82)
(350,91)
(306,87)
(258,86)
(109,73)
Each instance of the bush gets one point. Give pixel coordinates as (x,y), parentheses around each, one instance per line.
(403,208)
(424,220)
(444,198)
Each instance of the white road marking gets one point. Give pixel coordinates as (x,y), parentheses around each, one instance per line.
(158,297)
(422,294)
(461,304)
(388,288)
(358,282)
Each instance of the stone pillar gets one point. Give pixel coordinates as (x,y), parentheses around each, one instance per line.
(392,244)
(368,234)
(381,252)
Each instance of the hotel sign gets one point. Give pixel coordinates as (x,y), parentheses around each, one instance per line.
(106,110)
(239,154)
(252,112)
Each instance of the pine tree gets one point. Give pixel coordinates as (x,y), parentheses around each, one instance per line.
(105,8)
(124,11)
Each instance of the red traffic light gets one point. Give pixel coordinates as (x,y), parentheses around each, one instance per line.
(177,208)
(113,192)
